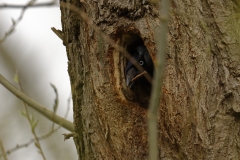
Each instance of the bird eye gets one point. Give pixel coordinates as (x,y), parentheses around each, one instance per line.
(141,63)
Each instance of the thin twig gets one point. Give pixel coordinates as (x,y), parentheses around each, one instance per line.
(23,7)
(15,22)
(37,143)
(69,135)
(138,76)
(3,150)
(19,146)
(19,6)
(58,32)
(55,106)
(40,108)
(161,39)
(44,136)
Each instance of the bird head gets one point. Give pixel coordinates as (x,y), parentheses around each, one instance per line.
(141,55)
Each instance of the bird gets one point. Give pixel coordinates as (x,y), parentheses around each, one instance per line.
(140,87)
(141,55)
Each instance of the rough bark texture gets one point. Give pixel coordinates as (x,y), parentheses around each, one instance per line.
(199,112)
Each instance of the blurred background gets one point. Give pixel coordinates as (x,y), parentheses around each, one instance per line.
(39,58)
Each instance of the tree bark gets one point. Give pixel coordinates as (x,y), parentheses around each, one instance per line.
(199,111)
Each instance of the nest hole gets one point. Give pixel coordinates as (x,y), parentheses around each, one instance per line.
(140,91)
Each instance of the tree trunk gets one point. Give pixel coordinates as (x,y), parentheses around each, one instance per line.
(199,112)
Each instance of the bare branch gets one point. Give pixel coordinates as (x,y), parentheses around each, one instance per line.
(23,7)
(19,146)
(47,135)
(40,108)
(161,38)
(69,135)
(16,6)
(58,32)
(3,150)
(138,76)
(32,122)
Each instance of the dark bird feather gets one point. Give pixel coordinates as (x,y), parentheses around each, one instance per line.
(140,87)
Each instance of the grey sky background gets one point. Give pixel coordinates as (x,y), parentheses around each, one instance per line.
(40,59)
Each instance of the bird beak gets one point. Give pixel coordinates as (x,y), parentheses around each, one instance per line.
(131,73)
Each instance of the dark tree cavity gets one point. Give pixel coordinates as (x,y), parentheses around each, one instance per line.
(138,90)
